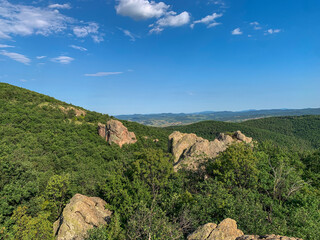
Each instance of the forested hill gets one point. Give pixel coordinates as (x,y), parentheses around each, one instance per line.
(174,119)
(297,132)
(51,150)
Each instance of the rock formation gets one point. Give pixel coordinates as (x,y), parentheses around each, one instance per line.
(266,237)
(226,230)
(115,132)
(80,215)
(190,150)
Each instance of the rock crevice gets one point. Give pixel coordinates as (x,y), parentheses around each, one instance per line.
(115,132)
(80,215)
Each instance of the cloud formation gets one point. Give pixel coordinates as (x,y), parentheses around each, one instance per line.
(102,74)
(60,6)
(237,31)
(141,9)
(16,57)
(90,29)
(26,20)
(172,19)
(62,59)
(128,34)
(5,46)
(209,20)
(256,25)
(273,31)
(79,48)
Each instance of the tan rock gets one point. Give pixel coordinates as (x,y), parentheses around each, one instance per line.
(226,230)
(190,150)
(115,132)
(266,237)
(80,215)
(203,232)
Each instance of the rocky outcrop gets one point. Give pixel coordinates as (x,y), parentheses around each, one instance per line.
(80,215)
(115,132)
(190,150)
(226,230)
(266,237)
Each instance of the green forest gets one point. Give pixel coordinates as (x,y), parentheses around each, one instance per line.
(48,154)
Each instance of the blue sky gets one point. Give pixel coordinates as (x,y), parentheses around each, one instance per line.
(140,56)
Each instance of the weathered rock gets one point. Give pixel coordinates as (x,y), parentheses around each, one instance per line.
(80,215)
(115,132)
(190,150)
(226,230)
(266,237)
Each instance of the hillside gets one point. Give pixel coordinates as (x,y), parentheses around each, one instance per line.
(173,119)
(301,132)
(51,150)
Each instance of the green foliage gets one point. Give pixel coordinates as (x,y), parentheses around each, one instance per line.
(236,166)
(113,231)
(48,155)
(31,228)
(151,223)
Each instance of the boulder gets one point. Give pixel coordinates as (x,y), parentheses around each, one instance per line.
(266,237)
(80,215)
(190,150)
(226,230)
(115,132)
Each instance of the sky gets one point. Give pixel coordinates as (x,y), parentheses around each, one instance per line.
(142,56)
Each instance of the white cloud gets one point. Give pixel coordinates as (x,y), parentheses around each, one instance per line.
(141,9)
(86,30)
(236,31)
(79,48)
(102,74)
(91,29)
(26,20)
(5,46)
(254,23)
(16,57)
(209,20)
(63,59)
(128,34)
(41,57)
(60,6)
(170,20)
(273,31)
(97,38)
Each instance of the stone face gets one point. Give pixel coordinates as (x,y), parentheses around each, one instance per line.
(80,215)
(226,230)
(266,237)
(115,132)
(190,150)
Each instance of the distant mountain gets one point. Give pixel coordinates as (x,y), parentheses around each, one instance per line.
(173,119)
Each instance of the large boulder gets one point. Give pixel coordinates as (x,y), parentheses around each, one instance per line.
(266,237)
(226,230)
(80,215)
(190,150)
(115,132)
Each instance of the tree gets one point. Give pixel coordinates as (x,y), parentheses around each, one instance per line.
(236,166)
